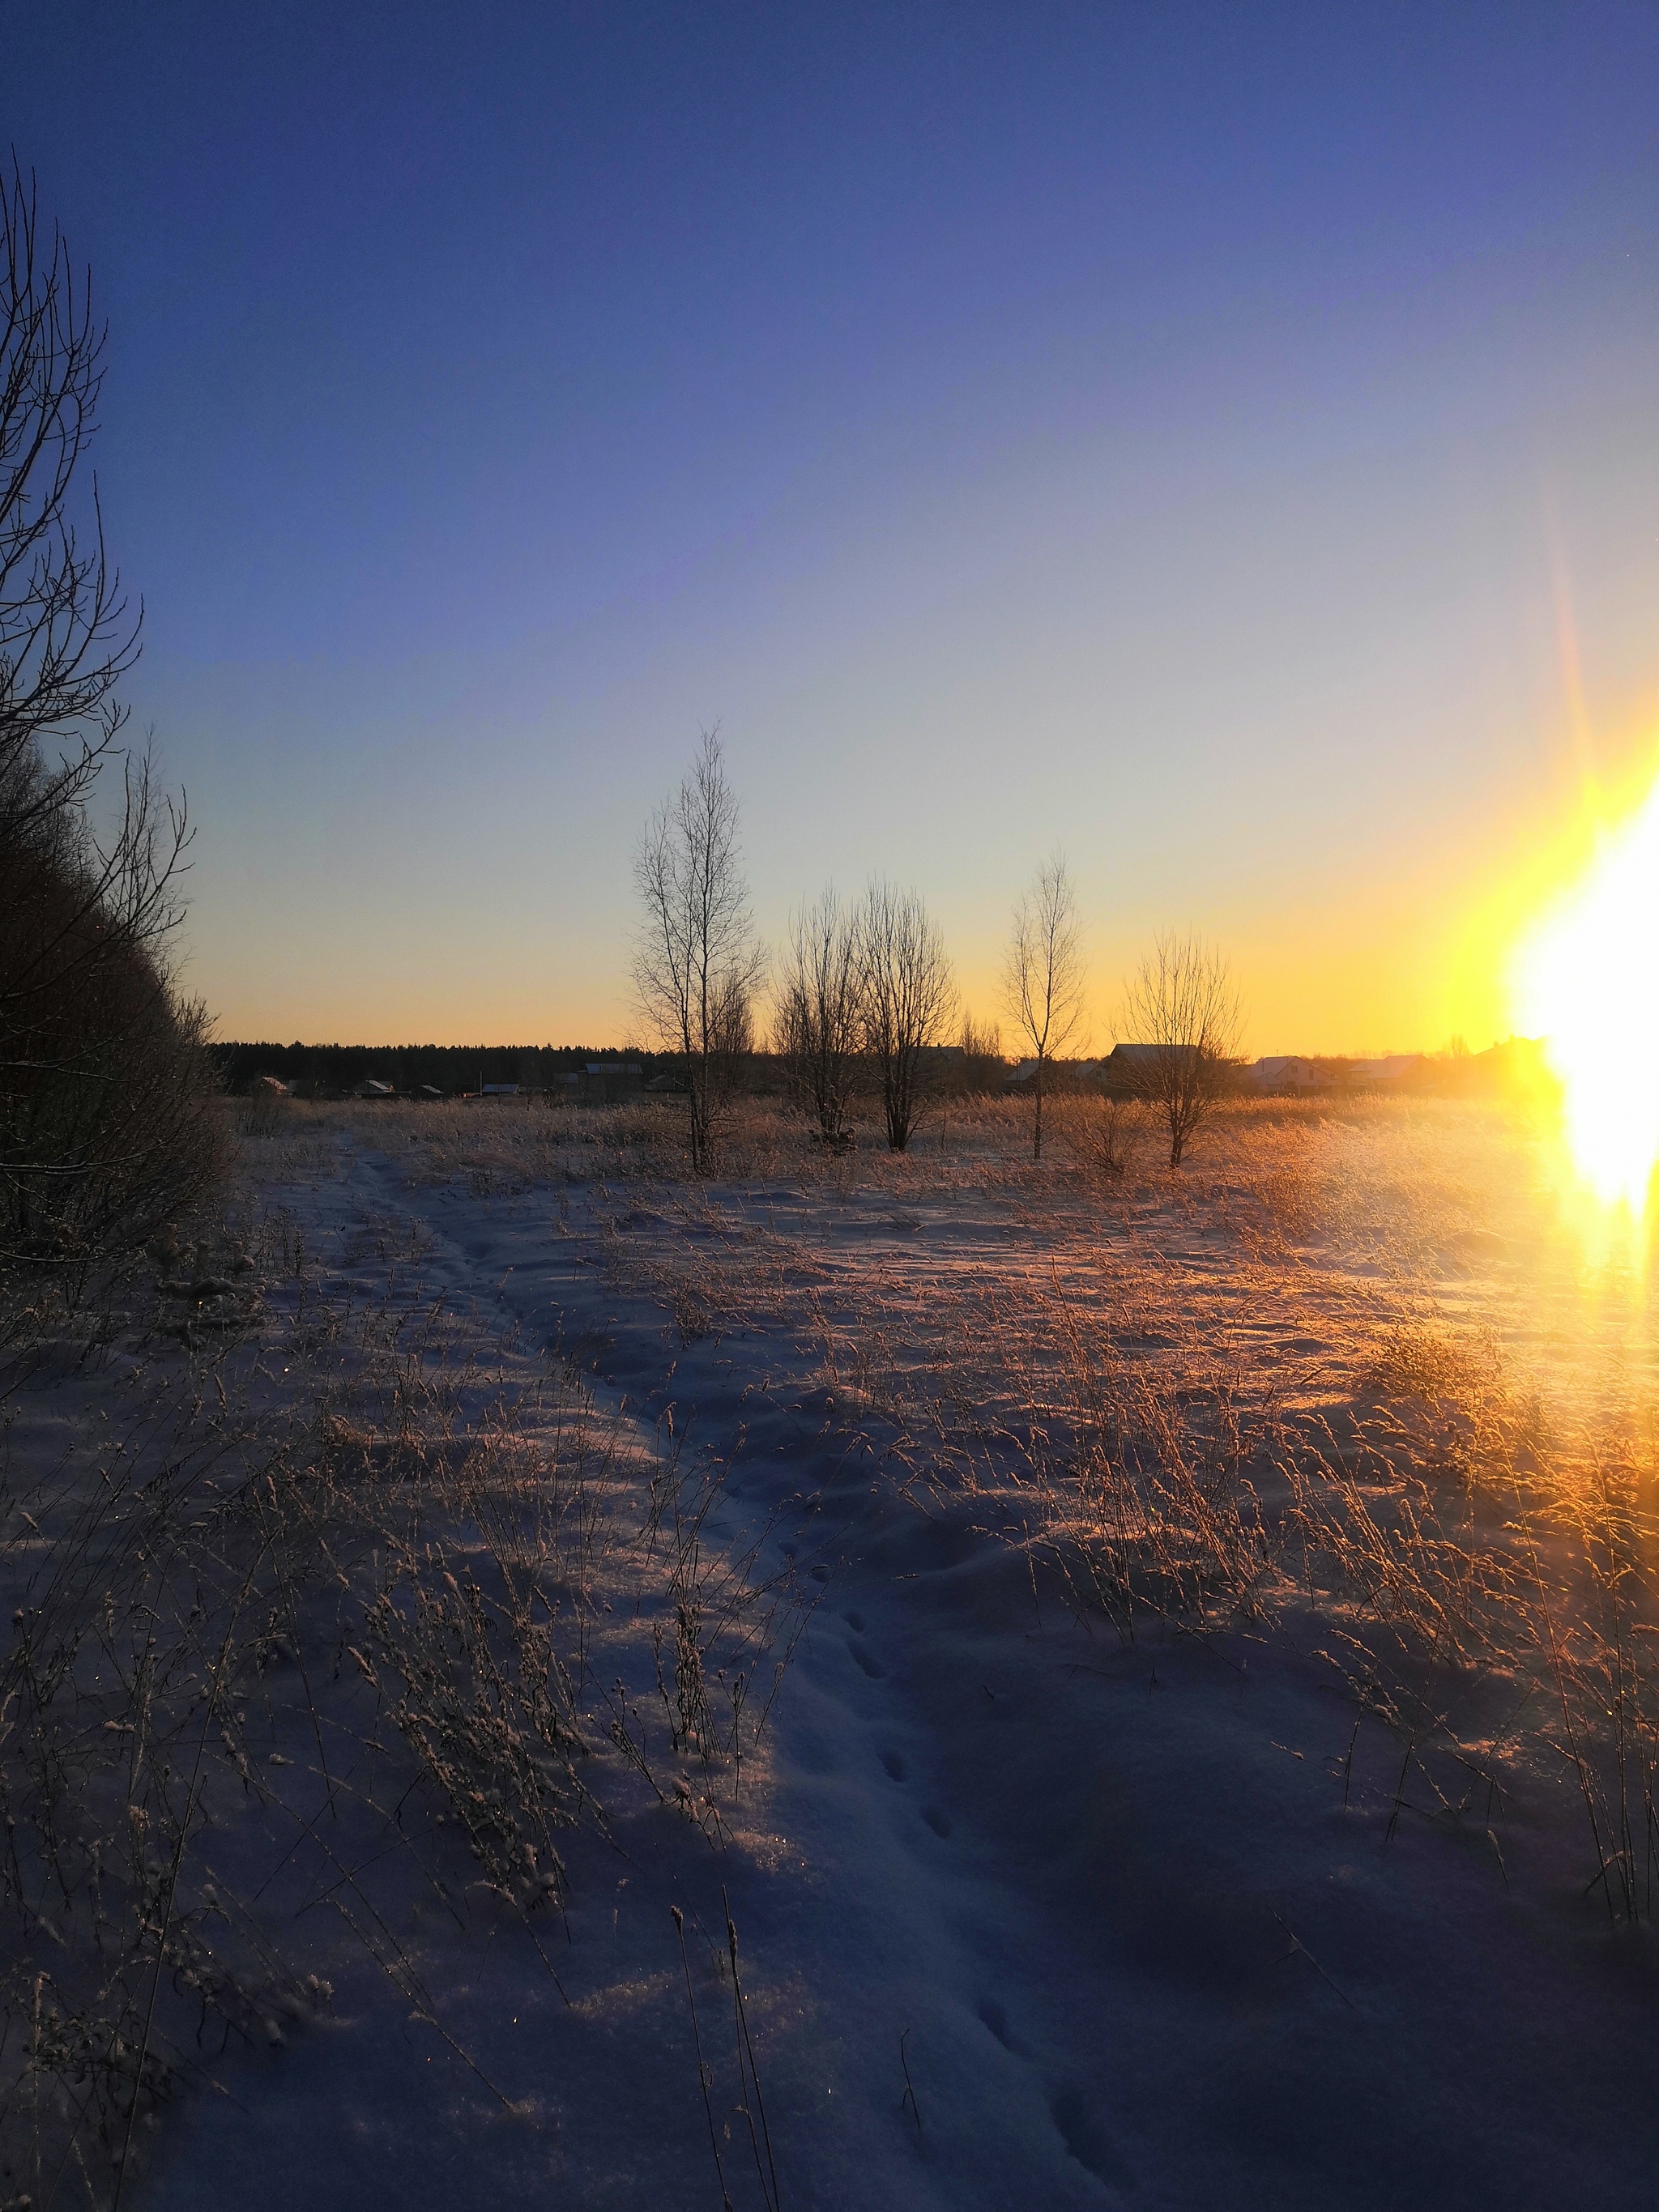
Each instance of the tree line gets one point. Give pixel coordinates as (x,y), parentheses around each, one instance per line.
(863,997)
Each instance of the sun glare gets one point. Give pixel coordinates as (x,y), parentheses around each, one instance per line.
(1588,982)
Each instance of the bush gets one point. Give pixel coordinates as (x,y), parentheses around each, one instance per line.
(105,1086)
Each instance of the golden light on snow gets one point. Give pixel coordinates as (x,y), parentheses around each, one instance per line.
(1587,981)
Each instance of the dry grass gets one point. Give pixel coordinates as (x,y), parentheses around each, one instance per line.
(1347,1384)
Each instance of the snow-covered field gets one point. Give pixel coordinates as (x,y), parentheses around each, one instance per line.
(1158,1674)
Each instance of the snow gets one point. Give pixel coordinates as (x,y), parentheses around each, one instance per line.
(1028,1915)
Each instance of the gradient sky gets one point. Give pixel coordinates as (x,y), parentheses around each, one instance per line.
(1222,441)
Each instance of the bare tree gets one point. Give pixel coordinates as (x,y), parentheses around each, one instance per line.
(910,1001)
(819,1025)
(697,961)
(1043,975)
(1183,1010)
(66,636)
(103,1080)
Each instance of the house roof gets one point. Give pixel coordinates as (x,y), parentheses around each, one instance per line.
(1275,1066)
(1389,1067)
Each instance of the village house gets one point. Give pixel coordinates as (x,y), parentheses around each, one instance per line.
(1289,1074)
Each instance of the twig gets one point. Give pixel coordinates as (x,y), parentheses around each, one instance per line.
(909,2096)
(702,2071)
(746,2051)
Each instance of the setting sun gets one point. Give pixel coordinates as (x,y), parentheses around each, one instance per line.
(1587,979)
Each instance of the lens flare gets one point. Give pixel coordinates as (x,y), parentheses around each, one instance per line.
(1588,981)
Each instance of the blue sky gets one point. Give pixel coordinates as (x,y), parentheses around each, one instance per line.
(1179,433)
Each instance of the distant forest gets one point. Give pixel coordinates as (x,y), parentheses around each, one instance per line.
(333,1068)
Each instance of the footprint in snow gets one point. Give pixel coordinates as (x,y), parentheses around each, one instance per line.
(1083,2134)
(997,2021)
(871,1667)
(937,1822)
(855,1621)
(893,1765)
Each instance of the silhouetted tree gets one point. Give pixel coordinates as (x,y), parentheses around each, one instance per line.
(910,1001)
(697,961)
(66,636)
(1043,975)
(1181,1008)
(819,1025)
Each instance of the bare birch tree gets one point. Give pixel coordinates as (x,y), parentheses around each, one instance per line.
(1043,975)
(819,1026)
(1182,1007)
(910,1002)
(697,961)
